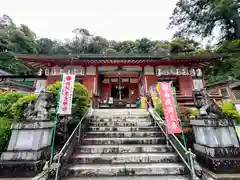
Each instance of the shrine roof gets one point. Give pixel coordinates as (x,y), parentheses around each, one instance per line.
(230,81)
(123,56)
(40,61)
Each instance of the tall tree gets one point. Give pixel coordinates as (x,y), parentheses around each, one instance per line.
(200,17)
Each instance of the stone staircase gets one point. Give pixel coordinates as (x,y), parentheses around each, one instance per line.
(123,144)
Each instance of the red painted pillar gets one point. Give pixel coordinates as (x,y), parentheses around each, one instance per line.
(185,85)
(149,80)
(90,80)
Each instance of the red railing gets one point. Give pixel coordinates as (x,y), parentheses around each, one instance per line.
(237,94)
(188,93)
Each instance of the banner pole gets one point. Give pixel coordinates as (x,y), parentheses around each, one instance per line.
(55,120)
(175,99)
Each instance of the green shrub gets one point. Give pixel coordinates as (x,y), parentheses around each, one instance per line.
(80,97)
(159,110)
(79,106)
(5,133)
(6,102)
(231,111)
(21,104)
(194,112)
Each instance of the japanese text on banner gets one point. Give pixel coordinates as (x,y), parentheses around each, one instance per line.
(169,108)
(65,101)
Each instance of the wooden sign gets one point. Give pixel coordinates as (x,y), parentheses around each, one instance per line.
(178,71)
(54,71)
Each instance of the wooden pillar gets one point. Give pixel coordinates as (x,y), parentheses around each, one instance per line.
(149,78)
(89,79)
(185,85)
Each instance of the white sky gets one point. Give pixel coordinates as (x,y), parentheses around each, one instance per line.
(112,19)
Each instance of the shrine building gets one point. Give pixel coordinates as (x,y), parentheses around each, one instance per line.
(124,77)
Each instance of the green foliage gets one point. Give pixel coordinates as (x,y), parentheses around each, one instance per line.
(19,106)
(6,102)
(201,17)
(159,110)
(194,112)
(227,66)
(9,63)
(231,111)
(5,133)
(80,97)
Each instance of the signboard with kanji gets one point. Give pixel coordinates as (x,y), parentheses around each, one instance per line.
(66,95)
(169,108)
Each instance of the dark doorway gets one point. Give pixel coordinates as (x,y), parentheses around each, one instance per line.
(123,92)
(114,92)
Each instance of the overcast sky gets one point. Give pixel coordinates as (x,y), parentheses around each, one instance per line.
(112,19)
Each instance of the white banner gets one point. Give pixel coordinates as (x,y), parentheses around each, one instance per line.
(65,101)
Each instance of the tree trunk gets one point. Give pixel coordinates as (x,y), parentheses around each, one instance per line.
(236,18)
(238,28)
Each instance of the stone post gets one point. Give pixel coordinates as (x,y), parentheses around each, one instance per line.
(217,145)
(30,142)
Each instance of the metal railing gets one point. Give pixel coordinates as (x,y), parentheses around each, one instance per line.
(66,150)
(190,93)
(186,155)
(77,134)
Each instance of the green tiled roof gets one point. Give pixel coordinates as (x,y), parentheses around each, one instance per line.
(119,56)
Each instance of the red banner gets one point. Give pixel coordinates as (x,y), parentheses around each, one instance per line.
(169,108)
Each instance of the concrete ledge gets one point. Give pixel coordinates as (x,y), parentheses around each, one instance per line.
(210,174)
(16,169)
(26,155)
(218,151)
(219,165)
(211,122)
(32,125)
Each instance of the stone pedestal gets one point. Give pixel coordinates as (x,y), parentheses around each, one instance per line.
(217,144)
(28,149)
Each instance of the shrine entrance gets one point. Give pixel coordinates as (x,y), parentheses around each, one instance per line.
(120,91)
(119,88)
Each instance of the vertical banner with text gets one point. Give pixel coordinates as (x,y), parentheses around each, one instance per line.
(169,108)
(66,95)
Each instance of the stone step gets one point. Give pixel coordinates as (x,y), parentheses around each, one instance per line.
(132,148)
(133,140)
(170,177)
(126,111)
(124,158)
(142,169)
(120,119)
(124,124)
(123,129)
(124,134)
(120,113)
(121,110)
(121,116)
(129,148)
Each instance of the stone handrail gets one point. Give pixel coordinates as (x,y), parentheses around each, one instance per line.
(187,157)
